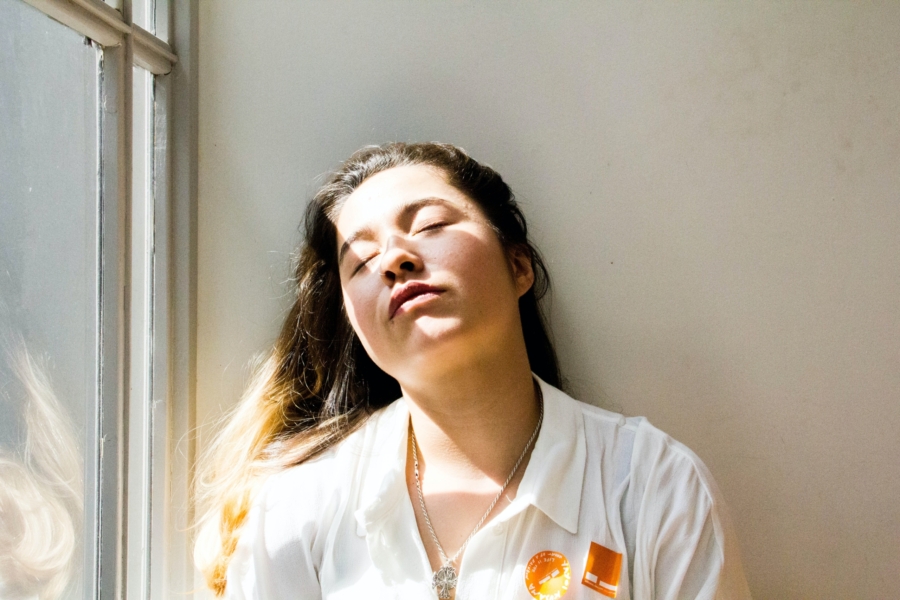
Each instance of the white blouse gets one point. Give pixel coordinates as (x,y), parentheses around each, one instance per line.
(608,507)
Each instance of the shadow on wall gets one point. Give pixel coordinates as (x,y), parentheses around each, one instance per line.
(41,488)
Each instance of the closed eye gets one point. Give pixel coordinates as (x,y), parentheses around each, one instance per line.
(430,226)
(359,267)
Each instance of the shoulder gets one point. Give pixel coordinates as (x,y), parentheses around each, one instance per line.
(653,458)
(290,510)
(666,468)
(628,455)
(682,523)
(301,502)
(659,478)
(298,493)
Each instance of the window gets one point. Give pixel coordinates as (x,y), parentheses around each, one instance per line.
(96,242)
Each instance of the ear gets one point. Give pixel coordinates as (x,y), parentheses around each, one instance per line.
(521,267)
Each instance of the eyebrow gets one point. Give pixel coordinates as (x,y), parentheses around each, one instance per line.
(403,212)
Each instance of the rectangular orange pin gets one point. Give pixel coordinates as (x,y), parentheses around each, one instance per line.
(601,573)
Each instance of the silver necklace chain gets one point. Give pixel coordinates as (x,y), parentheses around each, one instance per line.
(445,578)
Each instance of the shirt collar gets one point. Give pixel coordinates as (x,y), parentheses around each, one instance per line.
(554,476)
(552,481)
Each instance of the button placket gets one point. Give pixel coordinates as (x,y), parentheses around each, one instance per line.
(482,564)
(499,530)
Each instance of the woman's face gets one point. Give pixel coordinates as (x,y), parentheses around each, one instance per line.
(427,285)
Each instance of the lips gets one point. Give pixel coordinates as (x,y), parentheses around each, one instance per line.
(408,292)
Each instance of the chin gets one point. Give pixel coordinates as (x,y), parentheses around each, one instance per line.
(442,342)
(428,331)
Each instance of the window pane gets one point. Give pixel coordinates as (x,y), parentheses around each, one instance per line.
(151,15)
(49,309)
(142,14)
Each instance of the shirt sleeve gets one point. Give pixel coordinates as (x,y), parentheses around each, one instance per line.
(275,555)
(685,545)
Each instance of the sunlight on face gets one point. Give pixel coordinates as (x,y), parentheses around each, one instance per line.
(426,283)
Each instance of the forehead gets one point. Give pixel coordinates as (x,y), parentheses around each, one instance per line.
(386,193)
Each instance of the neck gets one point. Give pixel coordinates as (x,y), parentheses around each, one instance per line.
(474,423)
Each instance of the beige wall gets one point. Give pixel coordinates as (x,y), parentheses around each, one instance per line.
(716,187)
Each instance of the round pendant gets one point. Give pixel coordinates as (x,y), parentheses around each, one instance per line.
(444,580)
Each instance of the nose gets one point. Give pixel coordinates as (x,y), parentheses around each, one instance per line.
(399,262)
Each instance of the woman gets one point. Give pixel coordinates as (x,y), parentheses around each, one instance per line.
(407,438)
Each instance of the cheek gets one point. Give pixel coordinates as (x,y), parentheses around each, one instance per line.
(482,265)
(352,306)
(360,304)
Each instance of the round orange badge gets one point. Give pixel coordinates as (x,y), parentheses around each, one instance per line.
(547,575)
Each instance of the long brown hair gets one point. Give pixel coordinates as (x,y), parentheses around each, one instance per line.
(318,384)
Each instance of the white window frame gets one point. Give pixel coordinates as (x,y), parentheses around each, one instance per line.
(138,539)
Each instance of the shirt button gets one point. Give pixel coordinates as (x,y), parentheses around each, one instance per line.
(499,528)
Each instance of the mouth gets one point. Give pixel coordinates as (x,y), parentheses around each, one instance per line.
(411,294)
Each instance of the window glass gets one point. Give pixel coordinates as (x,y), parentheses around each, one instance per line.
(142,14)
(152,16)
(49,307)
